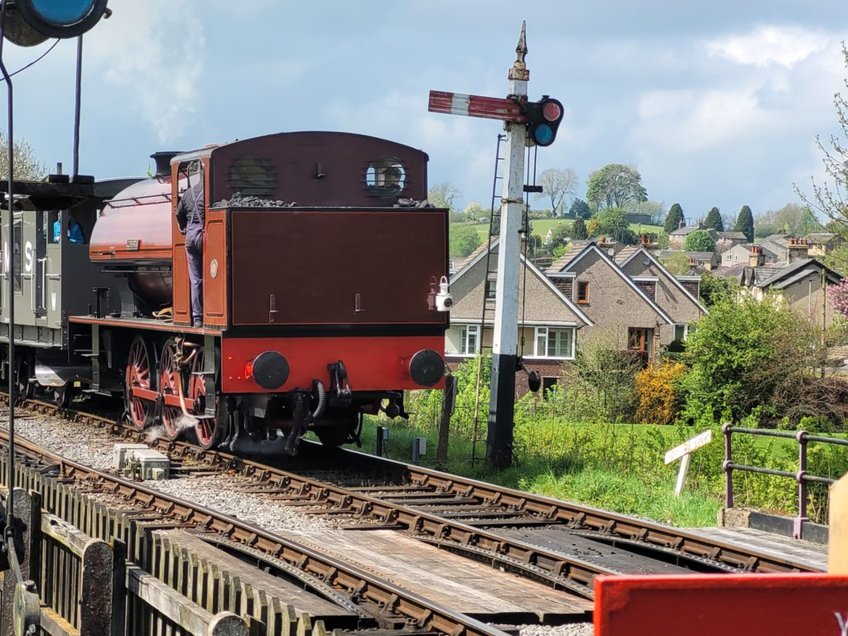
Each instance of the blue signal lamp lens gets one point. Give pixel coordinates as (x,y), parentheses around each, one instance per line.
(543,135)
(62,12)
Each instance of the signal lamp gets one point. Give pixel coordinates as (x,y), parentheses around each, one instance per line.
(543,119)
(52,18)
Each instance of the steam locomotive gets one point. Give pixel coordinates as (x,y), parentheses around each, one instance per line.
(324,286)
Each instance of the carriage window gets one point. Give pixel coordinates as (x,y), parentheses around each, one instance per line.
(52,226)
(385,176)
(17,247)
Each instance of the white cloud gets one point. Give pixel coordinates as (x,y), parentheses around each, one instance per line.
(766,45)
(152,54)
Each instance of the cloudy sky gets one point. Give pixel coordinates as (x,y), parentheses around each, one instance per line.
(716,104)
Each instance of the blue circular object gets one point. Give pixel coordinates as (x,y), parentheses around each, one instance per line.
(61,18)
(62,12)
(544,135)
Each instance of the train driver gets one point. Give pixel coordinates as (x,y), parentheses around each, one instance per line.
(190,219)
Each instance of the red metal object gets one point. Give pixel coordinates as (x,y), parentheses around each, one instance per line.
(168,379)
(138,378)
(503,108)
(373,364)
(724,605)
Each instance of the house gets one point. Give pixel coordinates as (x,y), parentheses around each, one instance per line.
(785,248)
(802,284)
(734,238)
(677,296)
(550,322)
(583,295)
(822,243)
(728,240)
(617,306)
(677,238)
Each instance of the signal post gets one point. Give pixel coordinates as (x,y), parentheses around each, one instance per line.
(526,123)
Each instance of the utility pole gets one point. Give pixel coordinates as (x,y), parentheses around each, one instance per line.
(526,124)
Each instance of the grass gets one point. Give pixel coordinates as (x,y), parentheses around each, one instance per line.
(617,467)
(541,227)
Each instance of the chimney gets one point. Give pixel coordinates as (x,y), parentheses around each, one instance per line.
(755,258)
(798,249)
(163,161)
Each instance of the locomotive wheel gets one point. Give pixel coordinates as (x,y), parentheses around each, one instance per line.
(24,389)
(168,379)
(138,374)
(335,431)
(208,431)
(62,395)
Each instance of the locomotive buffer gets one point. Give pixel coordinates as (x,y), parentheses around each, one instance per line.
(527,124)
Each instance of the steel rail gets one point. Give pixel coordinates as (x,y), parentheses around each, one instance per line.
(554,568)
(602,523)
(416,610)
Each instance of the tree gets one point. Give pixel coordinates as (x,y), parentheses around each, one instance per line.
(839,296)
(556,186)
(677,263)
(743,353)
(474,212)
(615,185)
(699,241)
(808,223)
(830,199)
(559,235)
(791,219)
(27,166)
(716,289)
(675,219)
(464,239)
(713,220)
(579,209)
(578,230)
(745,223)
(611,219)
(443,195)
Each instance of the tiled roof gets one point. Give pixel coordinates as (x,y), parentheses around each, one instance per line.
(571,250)
(625,253)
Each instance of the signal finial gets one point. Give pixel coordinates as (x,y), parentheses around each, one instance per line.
(519,68)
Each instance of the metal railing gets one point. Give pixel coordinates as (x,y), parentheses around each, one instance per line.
(803,438)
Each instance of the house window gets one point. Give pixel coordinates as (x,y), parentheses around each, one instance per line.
(549,386)
(554,343)
(639,339)
(681,332)
(491,289)
(583,292)
(470,344)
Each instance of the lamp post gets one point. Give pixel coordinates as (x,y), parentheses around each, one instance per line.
(29,23)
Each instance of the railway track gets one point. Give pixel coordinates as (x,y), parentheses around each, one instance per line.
(518,532)
(465,515)
(378,602)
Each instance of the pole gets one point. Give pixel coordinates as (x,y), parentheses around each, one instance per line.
(77,102)
(10,235)
(504,346)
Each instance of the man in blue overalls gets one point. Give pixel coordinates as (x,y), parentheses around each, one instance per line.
(190,219)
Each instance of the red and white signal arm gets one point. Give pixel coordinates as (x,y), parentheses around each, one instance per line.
(503,108)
